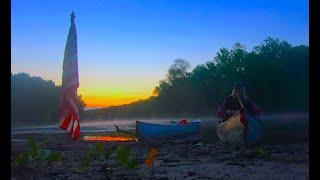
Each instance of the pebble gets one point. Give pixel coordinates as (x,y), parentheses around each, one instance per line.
(205,161)
(191,173)
(163,178)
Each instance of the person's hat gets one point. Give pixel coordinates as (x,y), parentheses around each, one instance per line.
(237,85)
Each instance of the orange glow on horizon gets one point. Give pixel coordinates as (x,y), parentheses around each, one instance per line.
(103,102)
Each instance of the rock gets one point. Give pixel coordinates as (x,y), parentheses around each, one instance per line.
(163,178)
(191,173)
(55,173)
(178,164)
(74,176)
(170,160)
(158,162)
(232,162)
(223,158)
(163,171)
(249,155)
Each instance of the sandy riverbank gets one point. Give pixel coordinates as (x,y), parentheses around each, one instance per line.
(174,161)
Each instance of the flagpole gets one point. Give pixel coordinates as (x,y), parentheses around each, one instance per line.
(72,17)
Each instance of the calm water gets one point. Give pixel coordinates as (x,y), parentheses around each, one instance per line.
(94,126)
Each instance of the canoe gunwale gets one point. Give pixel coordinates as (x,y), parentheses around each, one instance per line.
(143,137)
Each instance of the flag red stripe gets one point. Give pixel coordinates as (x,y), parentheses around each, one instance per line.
(66,122)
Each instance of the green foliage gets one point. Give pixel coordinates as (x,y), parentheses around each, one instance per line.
(20,159)
(263,153)
(123,154)
(89,156)
(132,164)
(34,149)
(54,157)
(36,154)
(268,71)
(99,148)
(85,163)
(178,70)
(125,157)
(44,96)
(96,152)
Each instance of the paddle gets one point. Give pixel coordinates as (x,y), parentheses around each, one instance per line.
(245,111)
(254,128)
(241,104)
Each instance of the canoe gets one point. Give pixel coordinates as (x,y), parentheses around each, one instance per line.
(232,131)
(150,131)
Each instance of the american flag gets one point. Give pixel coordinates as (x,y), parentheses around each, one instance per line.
(68,112)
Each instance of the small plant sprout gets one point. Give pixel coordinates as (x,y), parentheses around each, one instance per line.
(125,157)
(36,154)
(263,153)
(96,152)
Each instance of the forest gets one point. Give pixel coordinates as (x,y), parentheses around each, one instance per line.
(275,74)
(35,100)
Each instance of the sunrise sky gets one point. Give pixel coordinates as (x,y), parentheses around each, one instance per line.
(126,46)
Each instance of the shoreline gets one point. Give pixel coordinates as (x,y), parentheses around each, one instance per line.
(265,116)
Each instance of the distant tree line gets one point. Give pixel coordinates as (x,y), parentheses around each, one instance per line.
(35,101)
(275,74)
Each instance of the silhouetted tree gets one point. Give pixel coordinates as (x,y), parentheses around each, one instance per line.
(35,101)
(275,74)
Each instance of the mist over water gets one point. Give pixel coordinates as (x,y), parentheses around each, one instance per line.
(87,126)
(278,128)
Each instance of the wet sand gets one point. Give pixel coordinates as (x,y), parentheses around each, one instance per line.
(176,160)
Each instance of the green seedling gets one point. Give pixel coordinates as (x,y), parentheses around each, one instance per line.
(20,159)
(263,153)
(36,154)
(125,157)
(98,153)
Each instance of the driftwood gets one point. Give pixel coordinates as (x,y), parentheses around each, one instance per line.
(126,132)
(176,140)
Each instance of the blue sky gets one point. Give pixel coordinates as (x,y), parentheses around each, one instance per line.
(130,44)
